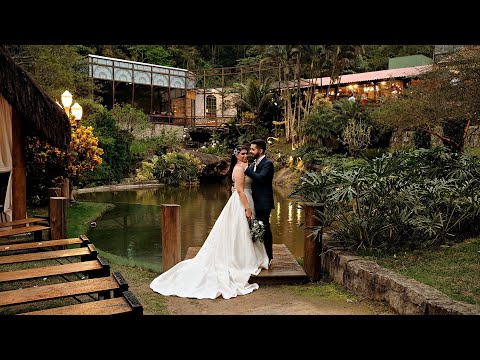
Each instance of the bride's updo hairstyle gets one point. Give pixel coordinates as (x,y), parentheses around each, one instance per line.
(233,161)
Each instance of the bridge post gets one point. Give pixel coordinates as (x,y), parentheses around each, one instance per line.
(58,217)
(312,246)
(171,245)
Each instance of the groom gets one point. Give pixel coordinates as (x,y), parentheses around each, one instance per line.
(261,171)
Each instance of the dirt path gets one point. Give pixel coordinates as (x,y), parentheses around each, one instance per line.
(316,298)
(308,299)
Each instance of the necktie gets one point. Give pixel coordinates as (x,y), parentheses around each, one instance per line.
(255,165)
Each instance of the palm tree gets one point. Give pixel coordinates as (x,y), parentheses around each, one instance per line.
(283,55)
(257,98)
(341,57)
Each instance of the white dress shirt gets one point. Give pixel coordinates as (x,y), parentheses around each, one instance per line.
(255,162)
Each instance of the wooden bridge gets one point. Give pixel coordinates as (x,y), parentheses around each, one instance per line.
(283,270)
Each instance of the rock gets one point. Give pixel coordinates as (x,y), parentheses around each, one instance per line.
(216,168)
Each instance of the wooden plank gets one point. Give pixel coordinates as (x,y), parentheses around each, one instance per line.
(34,273)
(55,291)
(21,222)
(23,230)
(284,269)
(40,244)
(101,307)
(44,255)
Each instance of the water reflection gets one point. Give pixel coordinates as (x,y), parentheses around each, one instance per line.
(133,228)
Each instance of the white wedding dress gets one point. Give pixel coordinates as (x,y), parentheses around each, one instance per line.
(224,263)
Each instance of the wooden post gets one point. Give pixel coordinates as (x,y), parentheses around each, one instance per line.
(58,217)
(65,185)
(19,172)
(53,192)
(312,246)
(171,246)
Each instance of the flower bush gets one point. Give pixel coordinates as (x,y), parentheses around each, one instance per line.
(48,164)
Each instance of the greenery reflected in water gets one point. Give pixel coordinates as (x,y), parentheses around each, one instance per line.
(133,228)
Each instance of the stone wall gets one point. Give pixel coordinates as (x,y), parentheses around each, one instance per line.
(404,295)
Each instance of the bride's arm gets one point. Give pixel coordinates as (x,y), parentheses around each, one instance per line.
(239,178)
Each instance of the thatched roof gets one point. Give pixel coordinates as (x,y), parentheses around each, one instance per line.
(42,115)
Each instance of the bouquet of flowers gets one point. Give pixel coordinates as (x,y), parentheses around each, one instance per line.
(257,229)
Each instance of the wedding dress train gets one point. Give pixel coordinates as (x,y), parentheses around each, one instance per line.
(224,263)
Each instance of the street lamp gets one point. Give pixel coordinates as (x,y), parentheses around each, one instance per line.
(67,101)
(76,110)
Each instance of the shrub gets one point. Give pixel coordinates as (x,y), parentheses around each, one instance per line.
(403,200)
(178,169)
(422,140)
(116,146)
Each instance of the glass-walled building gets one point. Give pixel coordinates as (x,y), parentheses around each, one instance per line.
(164,93)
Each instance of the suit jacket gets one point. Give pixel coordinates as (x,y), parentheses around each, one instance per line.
(262,179)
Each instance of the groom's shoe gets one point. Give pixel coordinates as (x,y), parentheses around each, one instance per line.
(270,263)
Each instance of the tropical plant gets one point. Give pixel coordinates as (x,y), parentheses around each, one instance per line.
(178,169)
(257,99)
(403,200)
(356,137)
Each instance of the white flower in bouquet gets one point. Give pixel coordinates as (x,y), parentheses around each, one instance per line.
(257,229)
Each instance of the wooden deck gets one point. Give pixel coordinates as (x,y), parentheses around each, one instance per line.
(284,269)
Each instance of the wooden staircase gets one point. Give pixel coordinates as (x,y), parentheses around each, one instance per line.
(78,274)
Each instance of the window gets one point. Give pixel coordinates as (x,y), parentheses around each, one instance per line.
(211,108)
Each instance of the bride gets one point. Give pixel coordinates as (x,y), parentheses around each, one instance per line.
(228,257)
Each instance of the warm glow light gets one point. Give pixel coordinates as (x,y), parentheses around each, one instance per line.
(77,111)
(299,216)
(67,99)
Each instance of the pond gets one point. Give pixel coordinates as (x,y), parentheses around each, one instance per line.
(133,228)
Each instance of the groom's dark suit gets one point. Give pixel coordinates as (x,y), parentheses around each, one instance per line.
(262,193)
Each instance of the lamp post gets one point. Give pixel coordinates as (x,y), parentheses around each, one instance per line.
(67,101)
(76,110)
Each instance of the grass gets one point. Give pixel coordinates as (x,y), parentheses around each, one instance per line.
(138,280)
(454,270)
(79,215)
(327,290)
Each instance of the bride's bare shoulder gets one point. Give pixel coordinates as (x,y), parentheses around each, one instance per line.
(239,167)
